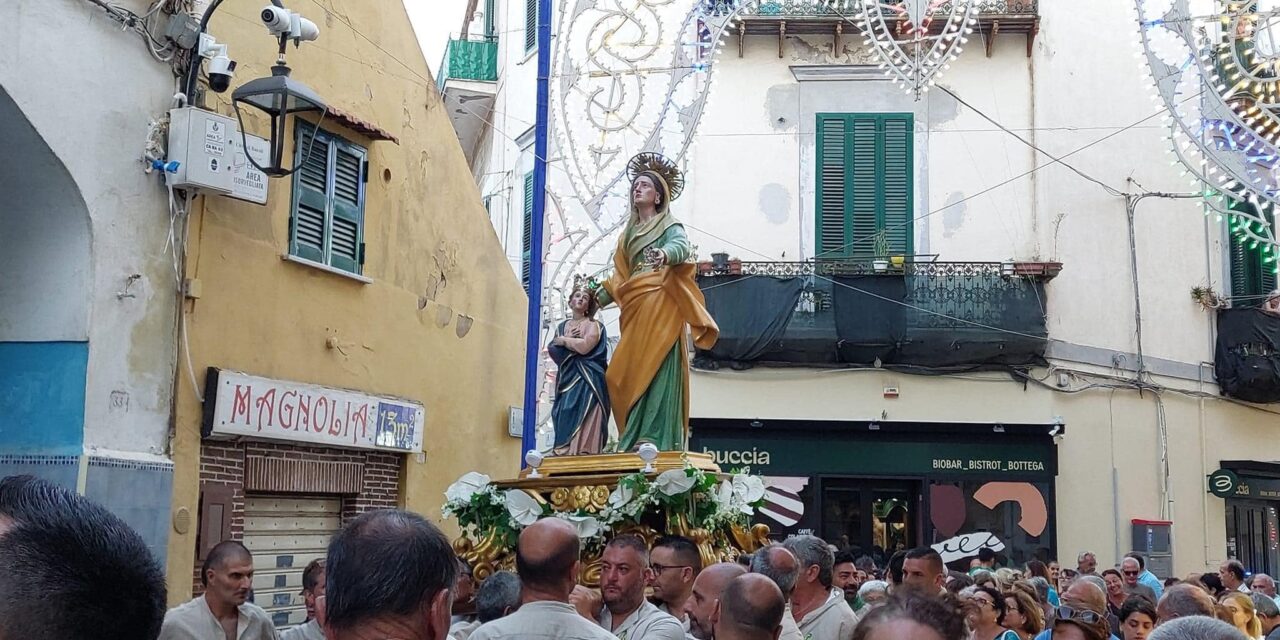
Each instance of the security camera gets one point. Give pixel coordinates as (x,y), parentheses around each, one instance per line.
(282,22)
(278,20)
(306,30)
(221,70)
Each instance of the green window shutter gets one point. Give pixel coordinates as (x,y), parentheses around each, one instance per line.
(327,223)
(865,184)
(530,24)
(310,194)
(831,187)
(1252,277)
(490,26)
(347,230)
(526,241)
(897,205)
(864,212)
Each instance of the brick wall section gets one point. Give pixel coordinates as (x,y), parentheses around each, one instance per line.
(223,463)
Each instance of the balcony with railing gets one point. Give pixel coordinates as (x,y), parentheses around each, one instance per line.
(1247,355)
(468,83)
(932,315)
(835,17)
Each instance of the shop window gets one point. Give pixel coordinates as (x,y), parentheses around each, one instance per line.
(1018,514)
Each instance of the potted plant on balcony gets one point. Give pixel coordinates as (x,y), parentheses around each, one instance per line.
(880,260)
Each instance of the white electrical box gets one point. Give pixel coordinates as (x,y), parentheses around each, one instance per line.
(201,143)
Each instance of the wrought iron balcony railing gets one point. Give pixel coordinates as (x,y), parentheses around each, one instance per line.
(475,60)
(928,314)
(799,8)
(816,17)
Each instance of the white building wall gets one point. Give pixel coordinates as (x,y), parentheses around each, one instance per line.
(986,196)
(90,90)
(92,102)
(505,152)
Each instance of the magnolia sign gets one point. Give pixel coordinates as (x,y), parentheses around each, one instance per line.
(252,406)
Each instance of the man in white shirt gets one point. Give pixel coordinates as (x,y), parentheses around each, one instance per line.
(548,565)
(1231,573)
(624,572)
(389,574)
(751,608)
(820,610)
(675,562)
(312,590)
(223,612)
(776,563)
(707,589)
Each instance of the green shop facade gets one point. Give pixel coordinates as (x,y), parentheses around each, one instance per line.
(882,486)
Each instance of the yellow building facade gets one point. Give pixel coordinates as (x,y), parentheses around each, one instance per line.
(426,317)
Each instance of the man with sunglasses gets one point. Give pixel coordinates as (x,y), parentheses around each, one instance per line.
(1131,570)
(1146,577)
(675,563)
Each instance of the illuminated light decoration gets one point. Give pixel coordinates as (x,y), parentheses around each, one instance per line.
(900,33)
(637,76)
(1216,74)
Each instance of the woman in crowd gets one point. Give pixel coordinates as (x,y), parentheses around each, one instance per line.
(1037,569)
(1137,618)
(1240,607)
(1042,594)
(909,615)
(1081,618)
(1022,613)
(985,613)
(1116,593)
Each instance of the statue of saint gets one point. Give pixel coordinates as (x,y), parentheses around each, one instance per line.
(580,411)
(654,287)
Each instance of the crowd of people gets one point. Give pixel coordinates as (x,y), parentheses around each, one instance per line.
(70,570)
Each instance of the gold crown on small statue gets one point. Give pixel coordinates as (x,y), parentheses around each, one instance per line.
(659,165)
(586,284)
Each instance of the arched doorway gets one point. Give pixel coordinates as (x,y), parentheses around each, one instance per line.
(44,304)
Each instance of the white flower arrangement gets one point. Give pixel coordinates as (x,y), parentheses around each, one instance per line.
(482,507)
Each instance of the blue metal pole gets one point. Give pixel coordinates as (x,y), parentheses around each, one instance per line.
(533,343)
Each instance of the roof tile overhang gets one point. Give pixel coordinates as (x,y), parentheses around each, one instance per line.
(360,125)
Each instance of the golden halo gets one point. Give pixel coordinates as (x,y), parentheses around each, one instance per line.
(660,165)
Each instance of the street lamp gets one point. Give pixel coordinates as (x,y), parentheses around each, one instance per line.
(278,96)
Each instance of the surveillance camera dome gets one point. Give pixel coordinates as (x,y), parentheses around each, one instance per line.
(221,70)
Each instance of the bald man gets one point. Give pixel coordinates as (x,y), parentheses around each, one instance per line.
(707,588)
(780,565)
(223,612)
(751,608)
(1183,600)
(547,562)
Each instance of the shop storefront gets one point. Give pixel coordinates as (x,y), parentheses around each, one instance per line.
(1251,510)
(284,464)
(883,486)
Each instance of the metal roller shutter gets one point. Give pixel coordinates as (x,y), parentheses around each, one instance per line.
(284,534)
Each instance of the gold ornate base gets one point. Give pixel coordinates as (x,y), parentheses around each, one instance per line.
(583,484)
(620,464)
